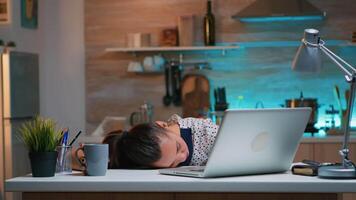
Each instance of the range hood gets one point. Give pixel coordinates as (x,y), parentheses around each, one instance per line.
(279,10)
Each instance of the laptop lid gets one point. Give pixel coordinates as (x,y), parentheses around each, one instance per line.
(257,141)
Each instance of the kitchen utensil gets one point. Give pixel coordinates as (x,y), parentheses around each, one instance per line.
(158,61)
(195,95)
(306,102)
(259,104)
(153,63)
(186,30)
(134,67)
(135,40)
(223,95)
(347,95)
(337,97)
(332,111)
(167,99)
(144,115)
(169,37)
(344,113)
(220,99)
(176,83)
(216,96)
(148,64)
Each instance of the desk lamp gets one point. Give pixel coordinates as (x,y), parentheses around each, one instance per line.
(308,59)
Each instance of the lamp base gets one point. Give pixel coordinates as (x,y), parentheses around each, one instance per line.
(337,172)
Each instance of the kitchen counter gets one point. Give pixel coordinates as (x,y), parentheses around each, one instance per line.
(322,138)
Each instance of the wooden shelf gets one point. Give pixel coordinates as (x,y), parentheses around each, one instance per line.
(351,44)
(168,49)
(225,47)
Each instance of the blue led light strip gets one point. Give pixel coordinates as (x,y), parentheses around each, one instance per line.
(281,18)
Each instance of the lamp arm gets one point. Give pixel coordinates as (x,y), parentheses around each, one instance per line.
(350,76)
(335,58)
(342,60)
(350,103)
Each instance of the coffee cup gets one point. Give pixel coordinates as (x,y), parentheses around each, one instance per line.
(95,159)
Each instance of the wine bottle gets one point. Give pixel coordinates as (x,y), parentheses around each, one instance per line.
(209,26)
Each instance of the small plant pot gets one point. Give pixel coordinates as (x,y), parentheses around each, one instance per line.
(43,164)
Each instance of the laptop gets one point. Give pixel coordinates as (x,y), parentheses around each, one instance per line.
(257,141)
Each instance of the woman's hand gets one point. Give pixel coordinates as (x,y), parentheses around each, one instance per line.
(75,163)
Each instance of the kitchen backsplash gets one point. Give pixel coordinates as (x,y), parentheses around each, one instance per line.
(250,75)
(263,74)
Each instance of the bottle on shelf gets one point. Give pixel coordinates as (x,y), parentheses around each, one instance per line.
(209,26)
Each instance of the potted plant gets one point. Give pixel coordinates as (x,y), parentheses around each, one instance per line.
(41,139)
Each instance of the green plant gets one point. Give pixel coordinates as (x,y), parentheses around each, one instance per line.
(40,135)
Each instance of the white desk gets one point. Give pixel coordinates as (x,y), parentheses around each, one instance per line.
(150,184)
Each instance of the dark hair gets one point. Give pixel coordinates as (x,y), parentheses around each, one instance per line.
(137,148)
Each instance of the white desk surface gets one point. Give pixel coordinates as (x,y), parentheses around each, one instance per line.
(151,181)
(307,139)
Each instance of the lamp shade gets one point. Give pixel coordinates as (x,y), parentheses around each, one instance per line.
(308,56)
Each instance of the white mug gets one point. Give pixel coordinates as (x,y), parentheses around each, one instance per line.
(134,66)
(148,63)
(158,62)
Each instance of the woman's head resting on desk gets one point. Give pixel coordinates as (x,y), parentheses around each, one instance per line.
(153,145)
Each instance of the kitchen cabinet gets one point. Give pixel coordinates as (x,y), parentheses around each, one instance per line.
(323,151)
(305,151)
(327,152)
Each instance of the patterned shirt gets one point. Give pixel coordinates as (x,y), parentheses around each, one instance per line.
(203,134)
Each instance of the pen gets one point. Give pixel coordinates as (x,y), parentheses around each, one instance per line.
(75,138)
(64,144)
(65,137)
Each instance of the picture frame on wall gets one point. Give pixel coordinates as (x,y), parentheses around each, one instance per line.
(29,14)
(5,11)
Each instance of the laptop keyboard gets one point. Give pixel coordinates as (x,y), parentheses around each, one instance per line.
(197,170)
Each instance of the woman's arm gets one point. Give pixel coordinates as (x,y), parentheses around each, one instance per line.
(204,132)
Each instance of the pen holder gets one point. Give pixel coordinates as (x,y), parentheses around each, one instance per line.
(64,160)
